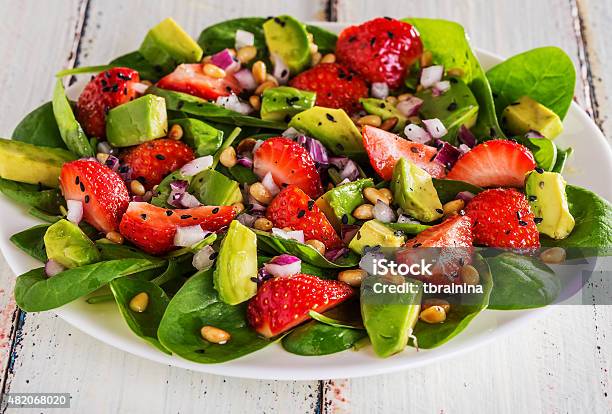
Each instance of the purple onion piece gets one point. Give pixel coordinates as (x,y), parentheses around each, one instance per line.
(246,219)
(245,79)
(466,136)
(245,161)
(222,59)
(315,148)
(52,268)
(334,254)
(410,107)
(262,276)
(533,134)
(447,155)
(347,232)
(125,171)
(284,259)
(465,196)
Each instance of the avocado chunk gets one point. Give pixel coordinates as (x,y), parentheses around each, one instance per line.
(66,243)
(345,198)
(374,233)
(385,111)
(288,39)
(167,45)
(414,192)
(280,104)
(455,107)
(204,138)
(526,115)
(237,265)
(332,127)
(389,316)
(27,163)
(215,189)
(143,119)
(546,194)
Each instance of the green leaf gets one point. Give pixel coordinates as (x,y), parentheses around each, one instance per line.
(35,292)
(31,195)
(136,61)
(324,39)
(544,151)
(562,156)
(448,189)
(521,282)
(163,189)
(113,251)
(31,241)
(315,338)
(73,135)
(196,305)
(222,35)
(177,267)
(144,324)
(83,70)
(40,128)
(545,74)
(333,322)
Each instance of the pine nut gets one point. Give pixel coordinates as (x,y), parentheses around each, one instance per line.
(329,58)
(246,145)
(433,314)
(228,157)
(469,275)
(453,207)
(114,237)
(373,195)
(263,224)
(246,54)
(316,58)
(404,97)
(260,193)
(271,78)
(176,132)
(313,47)
(206,59)
(389,123)
(352,277)
(372,120)
(238,207)
(364,212)
(259,71)
(266,85)
(392,100)
(426,59)
(102,157)
(414,120)
(456,72)
(287,228)
(554,255)
(386,193)
(428,303)
(317,245)
(255,102)
(146,82)
(215,335)
(139,302)
(213,71)
(137,187)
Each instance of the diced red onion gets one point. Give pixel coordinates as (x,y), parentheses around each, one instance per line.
(245,79)
(233,103)
(410,107)
(465,196)
(447,155)
(222,59)
(52,268)
(189,201)
(379,90)
(533,134)
(440,87)
(204,258)
(382,212)
(347,232)
(125,171)
(256,208)
(247,219)
(196,166)
(435,127)
(177,190)
(291,132)
(281,70)
(75,211)
(417,134)
(431,75)
(244,38)
(466,136)
(315,148)
(345,181)
(112,163)
(367,261)
(350,171)
(464,149)
(297,235)
(104,147)
(245,161)
(270,185)
(283,265)
(189,235)
(334,254)
(234,67)
(146,197)
(140,88)
(405,219)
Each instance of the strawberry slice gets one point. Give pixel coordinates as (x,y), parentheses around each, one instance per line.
(190,78)
(101,190)
(289,163)
(448,244)
(105,91)
(152,161)
(496,163)
(385,149)
(503,218)
(293,208)
(284,302)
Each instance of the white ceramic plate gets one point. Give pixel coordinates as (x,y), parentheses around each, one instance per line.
(590,167)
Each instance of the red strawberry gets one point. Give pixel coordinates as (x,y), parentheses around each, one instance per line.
(190,78)
(153,228)
(284,302)
(336,86)
(152,161)
(289,163)
(101,190)
(502,218)
(385,149)
(107,90)
(496,163)
(293,208)
(381,50)
(449,243)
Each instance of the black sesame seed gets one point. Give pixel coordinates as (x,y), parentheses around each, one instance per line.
(115,87)
(414,246)
(87,199)
(522,222)
(160,157)
(77,180)
(358,236)
(452,106)
(344,219)
(311,204)
(539,170)
(284,73)
(414,149)
(390,34)
(185,216)
(301,213)
(507,231)
(169,213)
(518,215)
(352,39)
(439,210)
(82,187)
(213,255)
(533,198)
(372,41)
(330,117)
(538,220)
(215,210)
(180,104)
(143,216)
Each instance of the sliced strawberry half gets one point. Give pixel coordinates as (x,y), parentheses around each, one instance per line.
(103,193)
(385,149)
(496,163)
(284,302)
(289,163)
(190,78)
(293,208)
(153,228)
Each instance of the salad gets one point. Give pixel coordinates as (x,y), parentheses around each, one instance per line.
(235,191)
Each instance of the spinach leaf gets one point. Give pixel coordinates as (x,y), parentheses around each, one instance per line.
(136,61)
(316,338)
(544,151)
(178,101)
(222,35)
(448,189)
(73,135)
(545,74)
(275,244)
(562,156)
(163,189)
(144,324)
(333,322)
(241,174)
(35,292)
(177,267)
(41,215)
(83,70)
(112,251)
(39,128)
(31,195)
(31,241)
(463,309)
(521,282)
(196,305)
(324,39)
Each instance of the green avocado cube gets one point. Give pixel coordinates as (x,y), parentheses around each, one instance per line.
(287,38)
(141,120)
(374,233)
(279,104)
(204,138)
(345,198)
(414,192)
(384,110)
(546,194)
(527,115)
(66,243)
(212,188)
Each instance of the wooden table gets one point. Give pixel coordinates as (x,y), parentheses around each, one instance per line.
(560,363)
